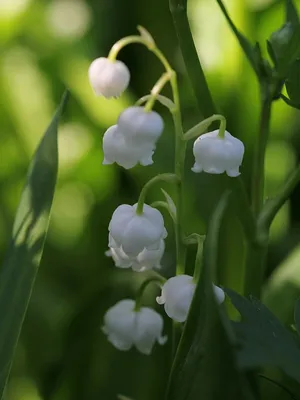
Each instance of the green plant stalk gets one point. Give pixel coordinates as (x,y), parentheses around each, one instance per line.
(194,69)
(257,249)
(272,206)
(198,260)
(172,178)
(159,280)
(255,268)
(258,174)
(202,127)
(157,88)
(180,149)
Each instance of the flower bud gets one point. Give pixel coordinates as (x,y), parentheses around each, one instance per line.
(117,149)
(140,126)
(133,233)
(177,295)
(125,327)
(108,78)
(216,155)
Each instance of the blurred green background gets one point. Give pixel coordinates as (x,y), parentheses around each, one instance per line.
(46,46)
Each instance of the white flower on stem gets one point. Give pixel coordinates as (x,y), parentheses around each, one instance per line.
(108,78)
(126,327)
(117,149)
(216,155)
(134,232)
(146,259)
(177,295)
(140,126)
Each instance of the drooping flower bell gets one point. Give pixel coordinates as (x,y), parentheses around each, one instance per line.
(146,259)
(133,233)
(177,295)
(117,149)
(126,327)
(215,155)
(140,126)
(108,78)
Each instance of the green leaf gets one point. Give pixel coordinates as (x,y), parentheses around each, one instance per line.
(205,353)
(23,257)
(292,82)
(289,102)
(271,52)
(247,47)
(291,12)
(297,316)
(262,339)
(171,205)
(285,43)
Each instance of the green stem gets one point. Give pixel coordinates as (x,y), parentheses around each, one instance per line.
(165,101)
(272,206)
(255,269)
(139,297)
(194,69)
(202,127)
(198,259)
(161,177)
(257,248)
(180,149)
(157,89)
(258,176)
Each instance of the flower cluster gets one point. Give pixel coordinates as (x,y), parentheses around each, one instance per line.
(133,139)
(137,233)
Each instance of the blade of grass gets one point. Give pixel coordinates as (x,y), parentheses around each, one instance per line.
(193,66)
(23,257)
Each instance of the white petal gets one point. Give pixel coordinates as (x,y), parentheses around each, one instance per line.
(148,259)
(149,326)
(177,295)
(140,126)
(108,78)
(119,324)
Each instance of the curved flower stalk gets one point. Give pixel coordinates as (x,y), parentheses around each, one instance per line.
(125,326)
(177,295)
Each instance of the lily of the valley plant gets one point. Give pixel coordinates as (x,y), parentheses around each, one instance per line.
(137,233)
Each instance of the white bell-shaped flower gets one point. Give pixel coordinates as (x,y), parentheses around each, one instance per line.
(125,327)
(133,233)
(216,155)
(140,126)
(177,295)
(108,78)
(117,149)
